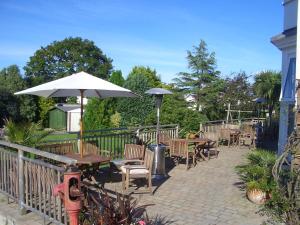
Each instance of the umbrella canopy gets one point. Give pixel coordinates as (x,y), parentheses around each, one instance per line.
(71,85)
(79,84)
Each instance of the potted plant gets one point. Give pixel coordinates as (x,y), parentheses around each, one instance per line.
(257,175)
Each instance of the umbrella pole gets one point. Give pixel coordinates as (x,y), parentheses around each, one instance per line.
(81,123)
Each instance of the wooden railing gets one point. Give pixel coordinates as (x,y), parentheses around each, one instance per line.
(214,126)
(30,181)
(111,141)
(148,134)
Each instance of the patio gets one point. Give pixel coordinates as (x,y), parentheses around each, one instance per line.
(206,194)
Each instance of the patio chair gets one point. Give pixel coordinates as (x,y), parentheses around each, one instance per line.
(144,170)
(92,148)
(58,148)
(247,136)
(211,146)
(165,139)
(133,153)
(225,136)
(179,149)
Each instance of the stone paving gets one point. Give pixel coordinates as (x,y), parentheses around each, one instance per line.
(205,195)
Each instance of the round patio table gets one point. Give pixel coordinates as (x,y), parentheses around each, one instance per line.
(199,146)
(89,163)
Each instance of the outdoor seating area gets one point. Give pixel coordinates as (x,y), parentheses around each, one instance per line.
(123,158)
(181,191)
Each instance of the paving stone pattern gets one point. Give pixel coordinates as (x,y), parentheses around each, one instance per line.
(205,195)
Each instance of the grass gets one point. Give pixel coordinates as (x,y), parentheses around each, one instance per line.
(53,137)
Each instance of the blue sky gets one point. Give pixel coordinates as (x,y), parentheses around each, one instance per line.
(153,33)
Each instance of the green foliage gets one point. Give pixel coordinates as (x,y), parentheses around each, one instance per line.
(175,110)
(284,205)
(115,120)
(62,58)
(203,80)
(12,106)
(238,90)
(151,75)
(117,78)
(257,173)
(44,105)
(135,110)
(97,114)
(27,134)
(268,85)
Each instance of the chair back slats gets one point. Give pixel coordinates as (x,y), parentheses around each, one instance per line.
(148,160)
(164,139)
(214,136)
(133,151)
(60,149)
(225,133)
(179,147)
(90,148)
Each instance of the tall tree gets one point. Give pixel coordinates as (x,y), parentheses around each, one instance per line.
(267,84)
(238,92)
(117,78)
(98,112)
(202,64)
(135,110)
(11,106)
(62,58)
(151,75)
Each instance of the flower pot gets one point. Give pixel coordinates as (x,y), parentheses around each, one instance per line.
(257,196)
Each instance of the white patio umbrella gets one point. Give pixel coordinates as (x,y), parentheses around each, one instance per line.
(79,84)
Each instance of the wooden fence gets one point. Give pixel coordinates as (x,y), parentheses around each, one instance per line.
(30,181)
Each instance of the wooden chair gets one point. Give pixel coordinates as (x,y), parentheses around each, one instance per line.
(225,136)
(144,170)
(165,139)
(133,151)
(211,146)
(247,137)
(179,149)
(132,154)
(92,148)
(58,148)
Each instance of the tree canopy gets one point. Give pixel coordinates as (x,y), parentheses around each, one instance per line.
(268,85)
(135,110)
(11,106)
(202,64)
(62,58)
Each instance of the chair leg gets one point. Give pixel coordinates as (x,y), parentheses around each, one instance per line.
(187,162)
(208,152)
(127,180)
(194,160)
(123,181)
(150,183)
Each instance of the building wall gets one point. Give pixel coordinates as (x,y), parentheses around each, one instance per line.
(290,14)
(286,42)
(57,119)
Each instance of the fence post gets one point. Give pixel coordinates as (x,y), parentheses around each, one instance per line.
(177,131)
(201,127)
(22,210)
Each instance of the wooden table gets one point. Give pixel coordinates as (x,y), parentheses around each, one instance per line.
(199,144)
(89,163)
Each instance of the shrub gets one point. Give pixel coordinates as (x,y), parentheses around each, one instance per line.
(257,172)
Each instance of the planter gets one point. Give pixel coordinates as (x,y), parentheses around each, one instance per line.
(257,196)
